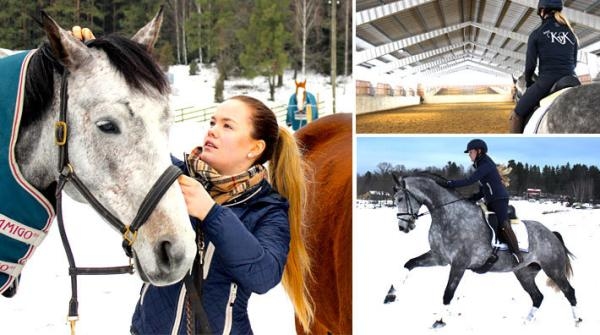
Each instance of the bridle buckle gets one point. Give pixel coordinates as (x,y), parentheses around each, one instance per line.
(60,133)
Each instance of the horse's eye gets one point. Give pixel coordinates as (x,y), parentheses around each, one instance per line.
(108,127)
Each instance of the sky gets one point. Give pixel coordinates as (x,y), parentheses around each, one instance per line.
(426,151)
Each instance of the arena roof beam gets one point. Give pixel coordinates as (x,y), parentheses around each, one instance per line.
(375,52)
(485,62)
(575,16)
(466,65)
(415,58)
(503,52)
(507,67)
(376,13)
(502,32)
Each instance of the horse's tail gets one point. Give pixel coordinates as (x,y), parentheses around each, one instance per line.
(568,267)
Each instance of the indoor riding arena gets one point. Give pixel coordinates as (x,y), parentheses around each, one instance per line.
(483,117)
(449,66)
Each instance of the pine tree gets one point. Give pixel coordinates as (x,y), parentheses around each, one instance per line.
(264,42)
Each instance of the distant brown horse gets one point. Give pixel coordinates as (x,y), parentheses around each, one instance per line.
(327,145)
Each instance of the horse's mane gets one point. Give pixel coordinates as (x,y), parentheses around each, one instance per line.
(438,179)
(129,58)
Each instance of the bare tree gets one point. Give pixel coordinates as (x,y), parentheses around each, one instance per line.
(347,40)
(176,17)
(305,17)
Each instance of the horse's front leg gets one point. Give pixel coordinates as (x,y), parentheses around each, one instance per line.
(456,274)
(426,259)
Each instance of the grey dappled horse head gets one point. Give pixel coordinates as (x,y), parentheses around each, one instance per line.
(460,237)
(118,117)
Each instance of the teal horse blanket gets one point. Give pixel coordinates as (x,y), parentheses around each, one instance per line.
(25,214)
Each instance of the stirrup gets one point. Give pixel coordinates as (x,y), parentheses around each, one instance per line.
(517,257)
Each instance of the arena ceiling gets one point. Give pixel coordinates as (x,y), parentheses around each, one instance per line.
(423,36)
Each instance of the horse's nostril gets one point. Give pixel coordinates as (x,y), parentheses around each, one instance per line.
(168,255)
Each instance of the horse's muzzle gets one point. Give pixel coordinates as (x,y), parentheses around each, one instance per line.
(406,225)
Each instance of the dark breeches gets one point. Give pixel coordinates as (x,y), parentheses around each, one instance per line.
(533,95)
(500,207)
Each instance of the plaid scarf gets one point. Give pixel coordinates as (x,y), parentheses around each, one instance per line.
(222,188)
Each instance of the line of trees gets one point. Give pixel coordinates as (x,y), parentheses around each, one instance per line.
(249,38)
(578,181)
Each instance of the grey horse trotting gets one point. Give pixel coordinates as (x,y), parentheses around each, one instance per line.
(459,237)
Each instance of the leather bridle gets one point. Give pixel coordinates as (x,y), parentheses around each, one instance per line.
(129,232)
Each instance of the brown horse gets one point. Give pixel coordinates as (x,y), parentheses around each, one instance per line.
(327,146)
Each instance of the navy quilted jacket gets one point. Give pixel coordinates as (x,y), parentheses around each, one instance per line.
(556,48)
(490,182)
(248,242)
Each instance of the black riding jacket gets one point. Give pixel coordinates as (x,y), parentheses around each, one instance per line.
(555,46)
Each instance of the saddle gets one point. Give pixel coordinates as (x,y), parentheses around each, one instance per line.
(517,225)
(561,86)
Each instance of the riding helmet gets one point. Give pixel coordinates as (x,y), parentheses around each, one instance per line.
(477,144)
(550,4)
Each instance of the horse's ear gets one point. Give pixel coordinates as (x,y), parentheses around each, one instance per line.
(396,179)
(148,35)
(514,78)
(67,49)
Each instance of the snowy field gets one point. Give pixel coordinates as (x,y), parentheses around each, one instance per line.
(106,303)
(198,90)
(493,303)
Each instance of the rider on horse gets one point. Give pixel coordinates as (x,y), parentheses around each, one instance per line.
(491,189)
(555,45)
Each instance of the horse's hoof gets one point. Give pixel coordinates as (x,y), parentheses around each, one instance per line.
(391,295)
(578,321)
(438,324)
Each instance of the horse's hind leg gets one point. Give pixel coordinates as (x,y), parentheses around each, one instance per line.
(560,279)
(526,277)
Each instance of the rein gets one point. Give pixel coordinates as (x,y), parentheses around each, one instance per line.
(129,232)
(415,215)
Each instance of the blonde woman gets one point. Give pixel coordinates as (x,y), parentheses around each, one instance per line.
(249,221)
(554,45)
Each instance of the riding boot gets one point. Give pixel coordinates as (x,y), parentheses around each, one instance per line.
(511,241)
(515,123)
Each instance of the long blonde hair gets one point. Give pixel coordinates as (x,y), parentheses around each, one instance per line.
(287,176)
(560,18)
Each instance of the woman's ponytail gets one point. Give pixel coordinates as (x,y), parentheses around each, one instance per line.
(286,173)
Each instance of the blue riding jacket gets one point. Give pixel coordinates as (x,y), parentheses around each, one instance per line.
(248,242)
(490,182)
(556,47)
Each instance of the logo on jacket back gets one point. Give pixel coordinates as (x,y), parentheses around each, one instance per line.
(560,37)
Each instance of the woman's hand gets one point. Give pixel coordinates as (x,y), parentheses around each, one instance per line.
(83,35)
(198,201)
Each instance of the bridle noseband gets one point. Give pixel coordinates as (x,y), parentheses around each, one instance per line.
(414,215)
(129,232)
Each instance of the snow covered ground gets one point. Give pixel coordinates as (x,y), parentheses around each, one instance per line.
(488,304)
(198,90)
(106,303)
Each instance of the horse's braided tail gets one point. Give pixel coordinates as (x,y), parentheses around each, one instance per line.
(568,267)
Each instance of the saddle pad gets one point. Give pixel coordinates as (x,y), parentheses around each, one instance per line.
(520,232)
(25,214)
(536,118)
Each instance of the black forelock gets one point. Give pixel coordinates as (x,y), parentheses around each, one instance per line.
(133,61)
(129,58)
